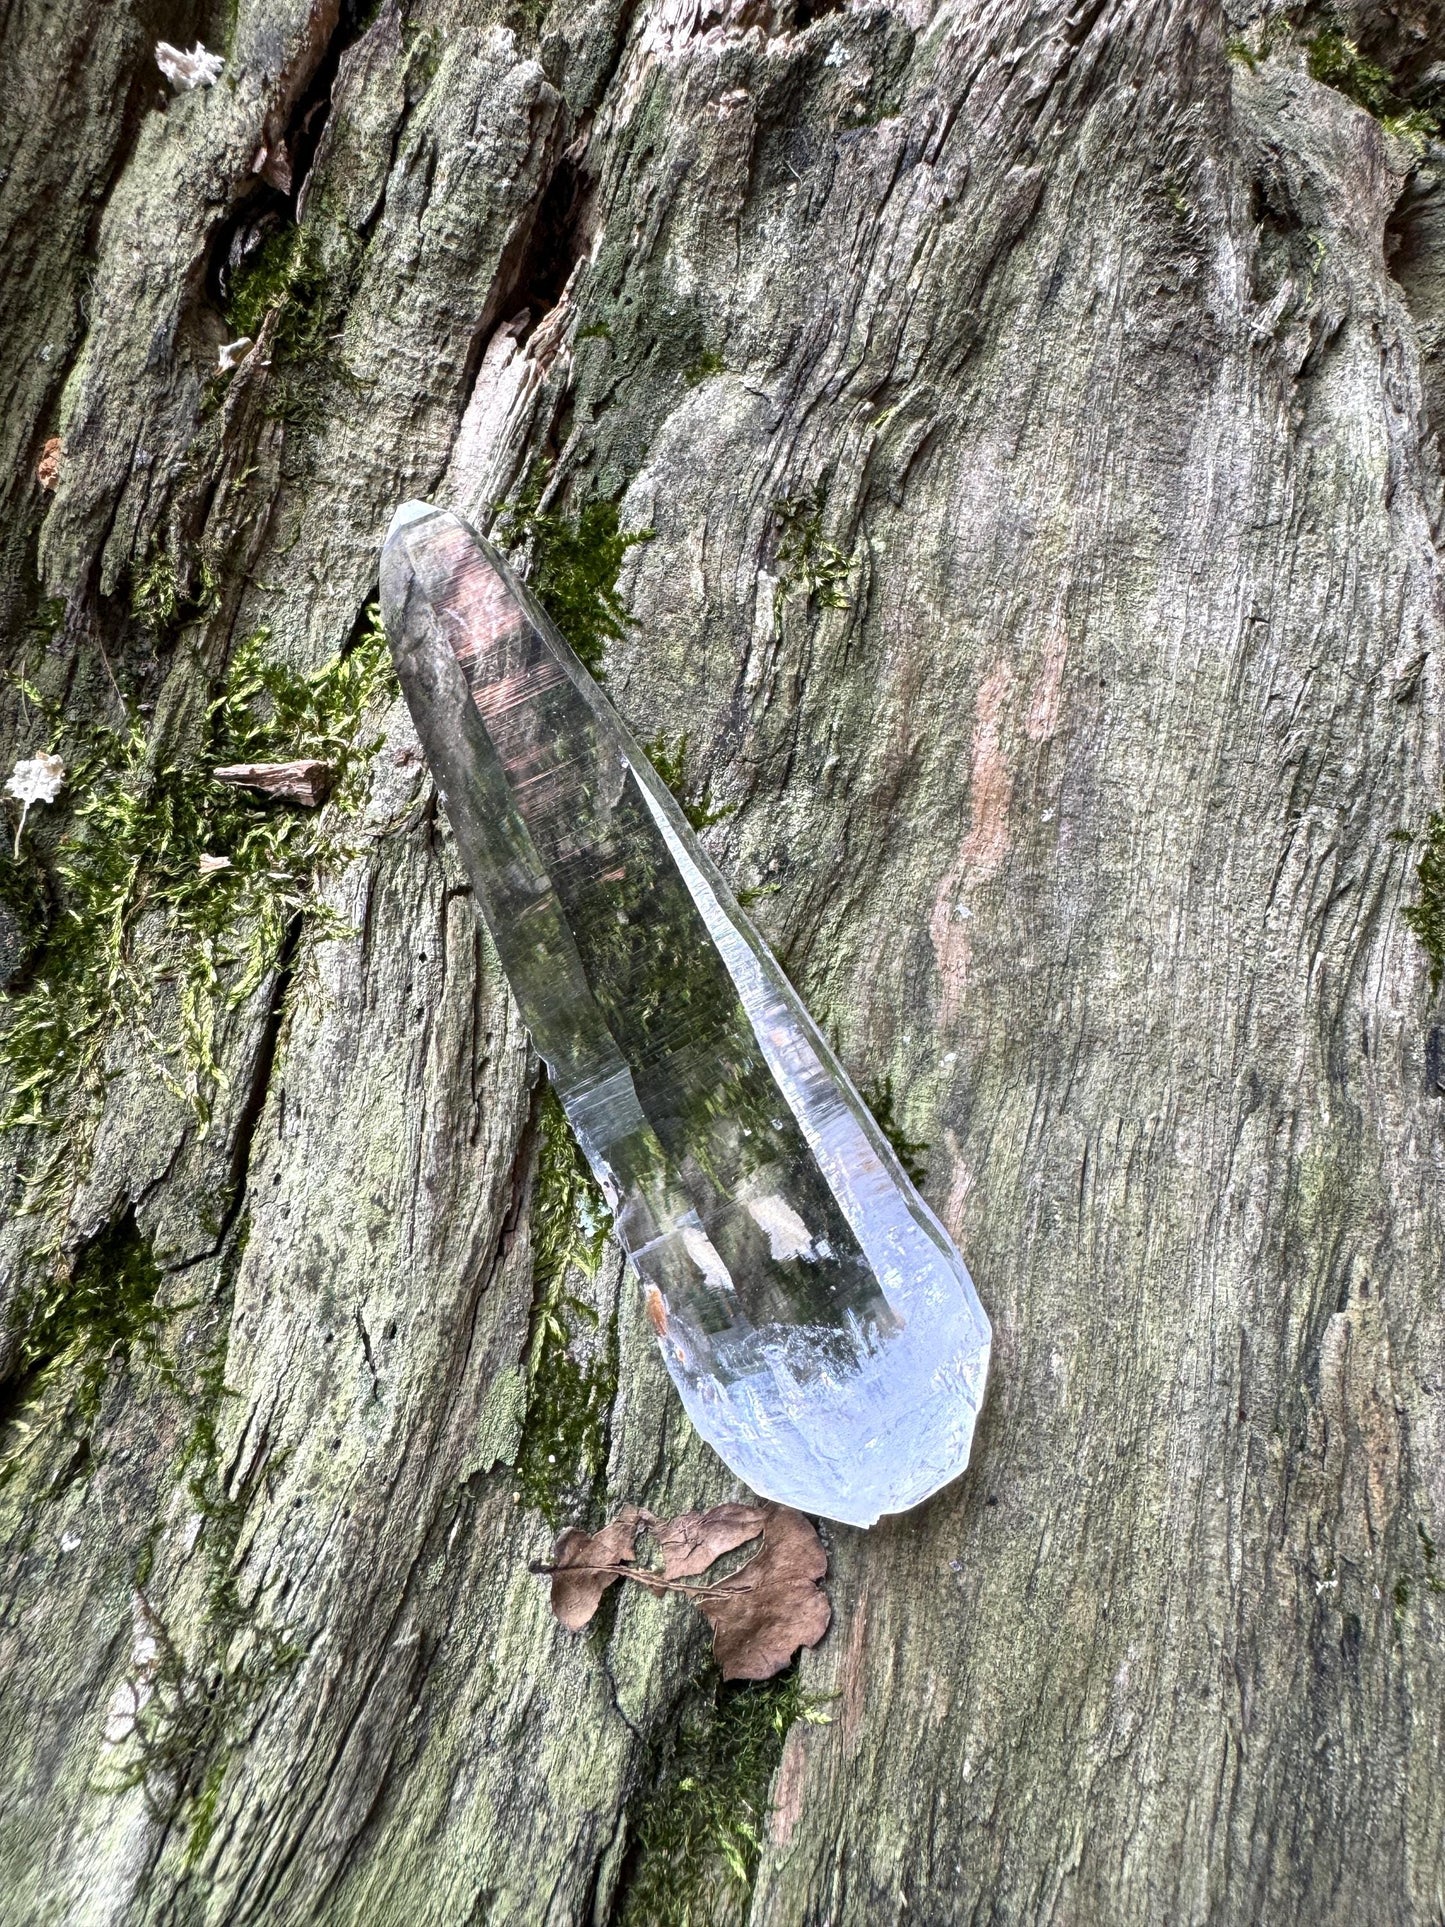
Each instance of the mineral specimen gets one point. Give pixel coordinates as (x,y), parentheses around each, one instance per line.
(821,1328)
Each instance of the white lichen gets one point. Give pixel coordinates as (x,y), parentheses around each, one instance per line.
(186,71)
(35,779)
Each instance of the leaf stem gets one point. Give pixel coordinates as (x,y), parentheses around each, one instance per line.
(645,1577)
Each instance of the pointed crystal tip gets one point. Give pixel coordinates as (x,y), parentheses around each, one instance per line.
(408,512)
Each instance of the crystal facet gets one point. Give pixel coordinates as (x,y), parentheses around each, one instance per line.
(822,1329)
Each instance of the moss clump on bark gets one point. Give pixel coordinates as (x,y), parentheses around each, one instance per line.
(574,565)
(668,756)
(571,1360)
(24,911)
(85,1316)
(707,364)
(161,606)
(309,290)
(1426,917)
(1338,63)
(911,1152)
(1433,1581)
(697,1831)
(286,275)
(136,907)
(806,560)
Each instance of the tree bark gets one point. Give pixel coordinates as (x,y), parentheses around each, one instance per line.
(1036,449)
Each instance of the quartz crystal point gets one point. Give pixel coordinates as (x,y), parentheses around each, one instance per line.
(818,1322)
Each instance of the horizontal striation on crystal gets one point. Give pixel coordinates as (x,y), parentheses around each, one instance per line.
(821,1328)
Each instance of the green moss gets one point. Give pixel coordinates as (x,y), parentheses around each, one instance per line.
(1338,63)
(805,560)
(285,274)
(1433,1581)
(24,910)
(135,910)
(697,1831)
(574,565)
(911,1152)
(708,363)
(160,605)
(1426,916)
(87,1315)
(562,1460)
(203,1813)
(669,758)
(309,293)
(263,282)
(48,620)
(423,49)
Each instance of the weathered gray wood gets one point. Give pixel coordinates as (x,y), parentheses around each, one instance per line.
(1073,811)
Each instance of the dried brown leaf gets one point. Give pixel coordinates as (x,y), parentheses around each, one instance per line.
(692,1541)
(307,782)
(47,469)
(760,1615)
(773,1605)
(585,1564)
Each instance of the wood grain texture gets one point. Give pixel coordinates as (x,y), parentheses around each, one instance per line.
(1073,812)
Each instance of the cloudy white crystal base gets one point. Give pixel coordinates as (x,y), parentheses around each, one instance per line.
(848,1449)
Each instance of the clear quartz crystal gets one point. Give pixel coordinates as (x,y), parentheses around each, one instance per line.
(822,1329)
